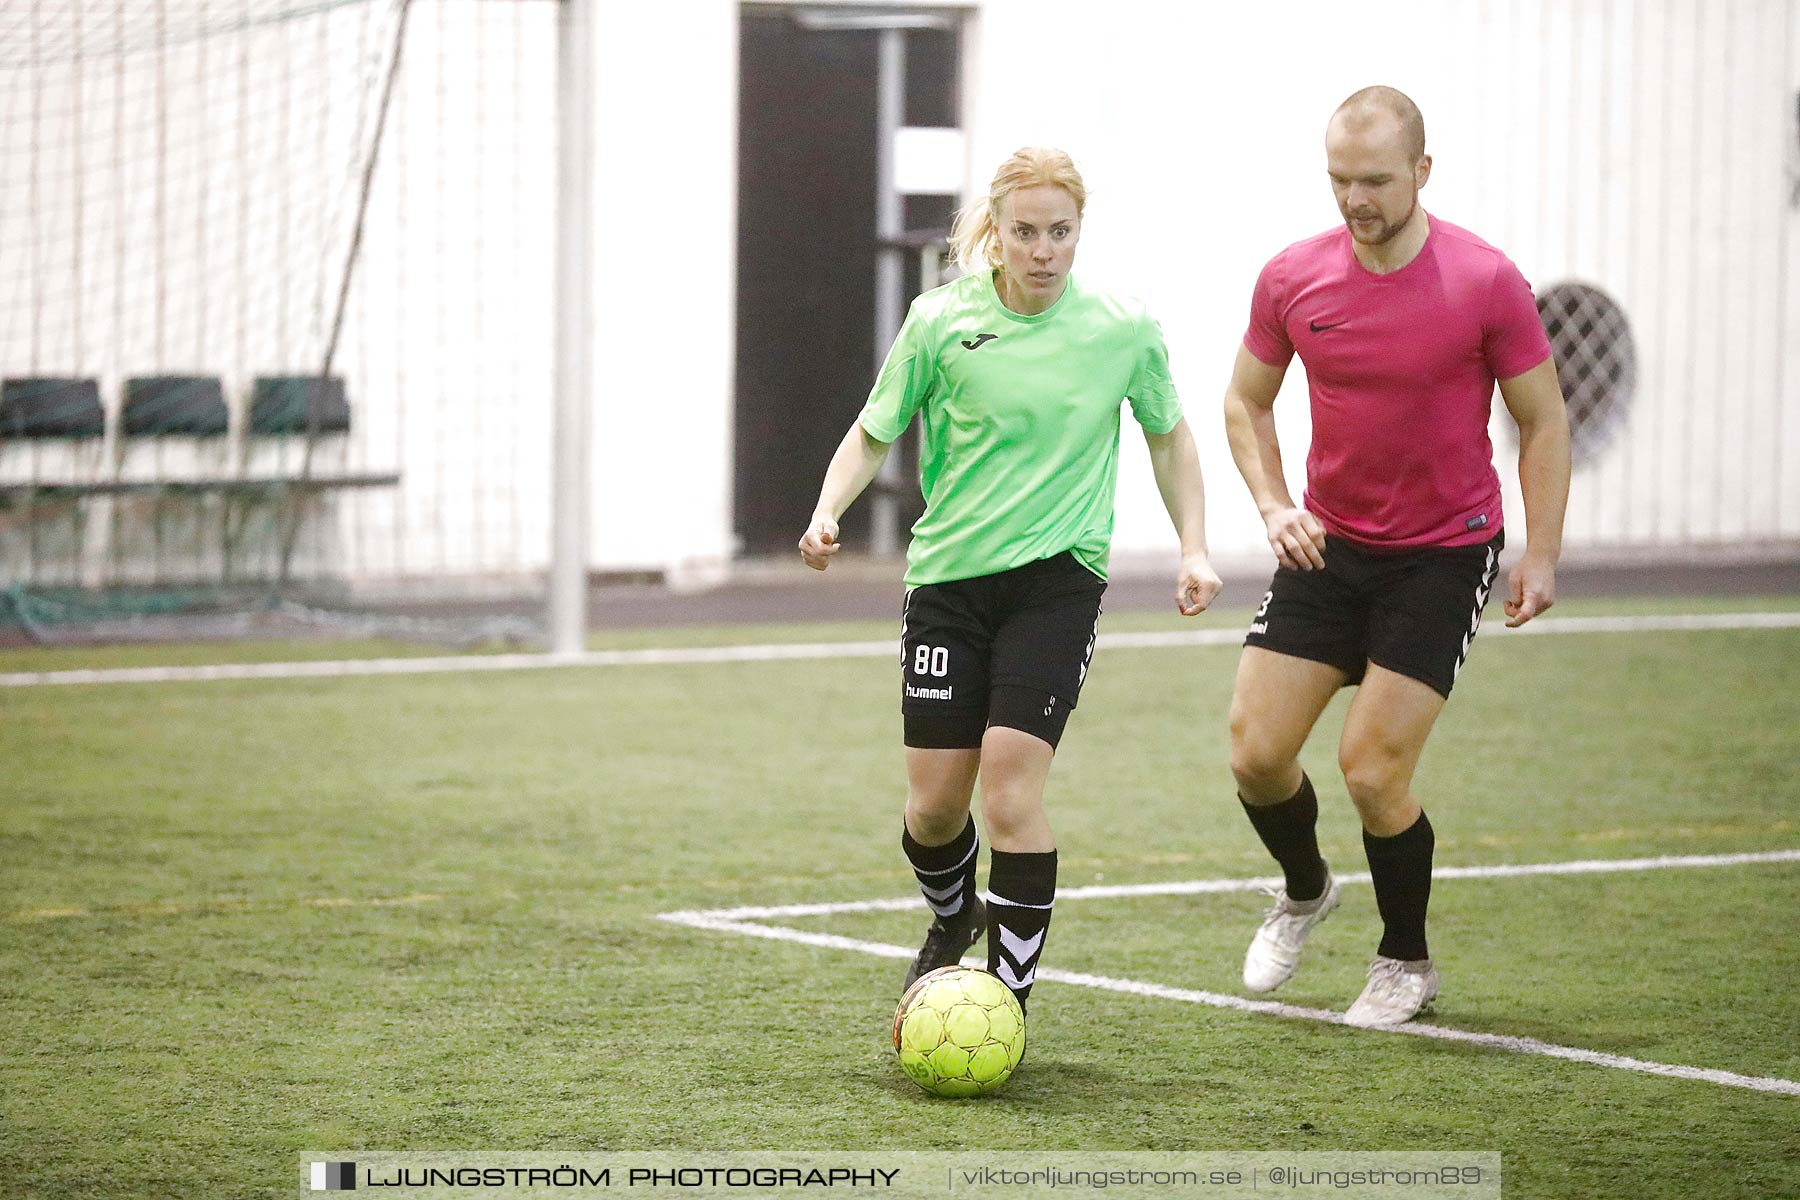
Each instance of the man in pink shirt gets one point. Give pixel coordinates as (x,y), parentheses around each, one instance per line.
(1405,323)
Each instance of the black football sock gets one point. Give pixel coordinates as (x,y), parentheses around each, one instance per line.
(1021,893)
(946,873)
(1290,831)
(1400,868)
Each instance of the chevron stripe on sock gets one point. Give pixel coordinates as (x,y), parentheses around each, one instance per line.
(1021,895)
(946,873)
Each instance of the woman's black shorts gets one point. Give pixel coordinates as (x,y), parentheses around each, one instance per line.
(1008,649)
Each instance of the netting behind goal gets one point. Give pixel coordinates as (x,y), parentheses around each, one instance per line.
(205,396)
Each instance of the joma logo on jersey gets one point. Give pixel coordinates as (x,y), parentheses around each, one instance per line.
(981,339)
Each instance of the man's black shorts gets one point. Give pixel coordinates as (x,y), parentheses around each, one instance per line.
(1414,612)
(1008,649)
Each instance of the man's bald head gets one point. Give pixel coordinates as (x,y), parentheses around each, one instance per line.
(1377,105)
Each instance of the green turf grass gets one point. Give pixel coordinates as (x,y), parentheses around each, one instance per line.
(418,913)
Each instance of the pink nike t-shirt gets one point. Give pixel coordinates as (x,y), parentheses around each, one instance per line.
(1401,368)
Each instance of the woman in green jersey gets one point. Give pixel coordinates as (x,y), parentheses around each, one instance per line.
(1018,372)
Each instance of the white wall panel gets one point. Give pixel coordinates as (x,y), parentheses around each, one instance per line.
(1782,452)
(1643,146)
(666,245)
(1636,146)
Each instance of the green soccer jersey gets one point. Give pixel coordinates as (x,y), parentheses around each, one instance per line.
(1021,448)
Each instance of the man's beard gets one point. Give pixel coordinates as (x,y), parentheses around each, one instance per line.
(1391,229)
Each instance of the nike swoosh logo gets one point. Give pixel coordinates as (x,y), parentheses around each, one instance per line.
(1316,327)
(981,339)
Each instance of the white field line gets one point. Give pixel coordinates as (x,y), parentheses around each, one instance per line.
(676,656)
(1196,887)
(1671,623)
(735,920)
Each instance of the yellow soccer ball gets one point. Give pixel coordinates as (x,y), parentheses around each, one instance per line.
(959,1032)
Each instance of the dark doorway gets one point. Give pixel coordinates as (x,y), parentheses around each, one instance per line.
(807,246)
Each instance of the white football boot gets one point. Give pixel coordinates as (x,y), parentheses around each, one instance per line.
(1275,950)
(1396,992)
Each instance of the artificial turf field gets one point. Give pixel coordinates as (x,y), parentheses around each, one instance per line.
(243,919)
